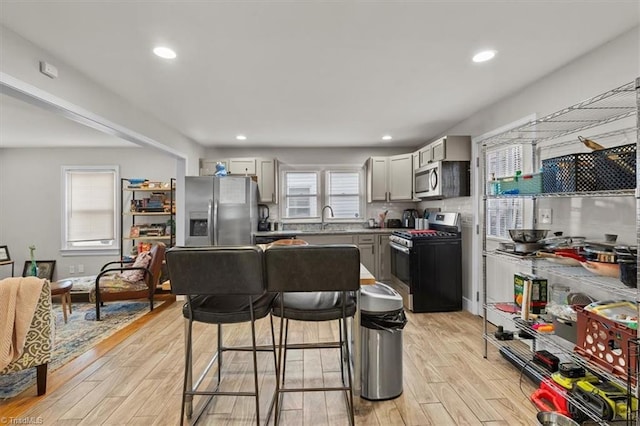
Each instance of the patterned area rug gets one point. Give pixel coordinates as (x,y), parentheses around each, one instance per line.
(78,335)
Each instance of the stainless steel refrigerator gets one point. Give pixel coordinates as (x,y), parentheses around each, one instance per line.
(220,210)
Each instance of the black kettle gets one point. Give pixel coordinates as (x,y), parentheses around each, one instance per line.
(263,217)
(409,217)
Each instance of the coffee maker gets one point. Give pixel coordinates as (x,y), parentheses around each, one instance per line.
(409,217)
(263,217)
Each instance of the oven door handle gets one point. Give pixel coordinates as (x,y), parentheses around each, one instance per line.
(405,250)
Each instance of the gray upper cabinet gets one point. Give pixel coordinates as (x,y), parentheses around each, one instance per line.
(242,166)
(390,178)
(267,172)
(447,148)
(265,169)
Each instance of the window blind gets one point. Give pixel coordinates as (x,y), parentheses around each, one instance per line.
(301,194)
(343,194)
(90,206)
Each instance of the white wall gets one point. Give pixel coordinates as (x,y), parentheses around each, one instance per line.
(31,198)
(20,60)
(607,67)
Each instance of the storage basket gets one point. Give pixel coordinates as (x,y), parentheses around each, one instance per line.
(616,167)
(605,343)
(569,173)
(522,184)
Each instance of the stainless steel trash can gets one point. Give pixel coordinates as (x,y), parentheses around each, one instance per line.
(382,319)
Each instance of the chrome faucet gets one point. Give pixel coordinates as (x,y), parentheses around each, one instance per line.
(323,225)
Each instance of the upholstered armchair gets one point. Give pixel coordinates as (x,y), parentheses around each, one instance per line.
(129,281)
(39,341)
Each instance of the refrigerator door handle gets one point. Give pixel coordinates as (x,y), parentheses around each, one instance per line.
(210,222)
(215,223)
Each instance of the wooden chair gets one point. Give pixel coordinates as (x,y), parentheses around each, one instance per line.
(111,285)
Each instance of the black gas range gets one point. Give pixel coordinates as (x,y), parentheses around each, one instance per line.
(426,265)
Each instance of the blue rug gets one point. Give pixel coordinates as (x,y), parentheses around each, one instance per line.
(77,336)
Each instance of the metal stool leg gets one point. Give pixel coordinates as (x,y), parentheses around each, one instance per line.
(284,361)
(219,353)
(255,361)
(278,401)
(187,400)
(348,358)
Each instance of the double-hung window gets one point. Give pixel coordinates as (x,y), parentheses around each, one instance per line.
(89,209)
(504,213)
(306,191)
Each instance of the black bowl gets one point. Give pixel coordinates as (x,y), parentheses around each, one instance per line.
(527,235)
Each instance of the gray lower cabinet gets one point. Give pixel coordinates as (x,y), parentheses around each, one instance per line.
(367,243)
(367,246)
(383,273)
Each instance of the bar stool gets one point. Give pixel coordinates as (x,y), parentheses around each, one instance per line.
(222,285)
(314,283)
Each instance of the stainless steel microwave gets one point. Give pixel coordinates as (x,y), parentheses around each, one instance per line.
(443,179)
(422,180)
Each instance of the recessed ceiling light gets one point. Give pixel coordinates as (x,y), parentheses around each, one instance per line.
(164,52)
(483,56)
(387,138)
(241,137)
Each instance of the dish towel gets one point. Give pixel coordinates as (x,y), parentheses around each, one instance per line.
(18,301)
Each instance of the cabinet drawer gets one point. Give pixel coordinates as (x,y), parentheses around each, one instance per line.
(366,239)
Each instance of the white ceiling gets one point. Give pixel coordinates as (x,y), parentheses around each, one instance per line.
(313,73)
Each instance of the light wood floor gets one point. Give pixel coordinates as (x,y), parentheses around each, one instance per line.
(139,381)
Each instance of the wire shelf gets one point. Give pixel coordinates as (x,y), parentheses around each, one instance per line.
(613,105)
(521,349)
(575,273)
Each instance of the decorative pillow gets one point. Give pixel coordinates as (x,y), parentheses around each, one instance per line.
(142,261)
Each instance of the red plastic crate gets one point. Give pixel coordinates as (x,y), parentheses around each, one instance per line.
(605,343)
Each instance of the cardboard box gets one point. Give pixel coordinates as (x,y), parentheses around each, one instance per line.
(538,291)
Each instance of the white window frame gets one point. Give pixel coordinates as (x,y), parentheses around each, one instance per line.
(106,247)
(323,195)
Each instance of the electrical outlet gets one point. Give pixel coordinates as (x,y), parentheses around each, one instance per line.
(545,216)
(80,268)
(72,269)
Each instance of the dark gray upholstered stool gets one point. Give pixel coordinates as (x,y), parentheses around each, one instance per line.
(314,283)
(223,285)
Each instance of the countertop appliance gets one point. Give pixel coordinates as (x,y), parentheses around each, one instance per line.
(220,210)
(443,179)
(409,217)
(263,217)
(426,264)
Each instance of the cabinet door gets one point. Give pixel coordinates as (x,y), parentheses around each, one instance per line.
(400,177)
(368,256)
(438,150)
(267,180)
(208,167)
(424,156)
(242,166)
(384,259)
(377,179)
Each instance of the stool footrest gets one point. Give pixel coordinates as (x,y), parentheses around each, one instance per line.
(327,389)
(313,345)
